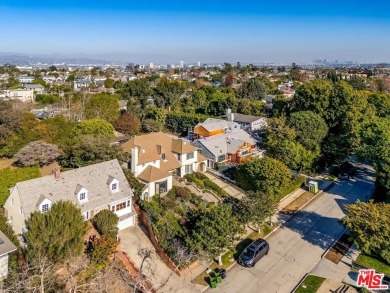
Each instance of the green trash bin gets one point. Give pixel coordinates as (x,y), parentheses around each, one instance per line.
(213,282)
(218,277)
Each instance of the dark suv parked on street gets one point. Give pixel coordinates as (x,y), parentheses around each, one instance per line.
(253,253)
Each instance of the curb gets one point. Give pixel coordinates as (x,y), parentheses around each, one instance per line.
(312,199)
(333,243)
(300,282)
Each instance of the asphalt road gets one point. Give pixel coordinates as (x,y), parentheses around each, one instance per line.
(298,245)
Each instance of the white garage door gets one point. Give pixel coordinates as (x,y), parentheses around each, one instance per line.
(126,223)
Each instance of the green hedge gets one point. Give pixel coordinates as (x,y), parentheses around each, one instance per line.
(9,177)
(294,184)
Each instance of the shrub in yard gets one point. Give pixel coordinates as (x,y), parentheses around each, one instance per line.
(168,203)
(180,210)
(196,200)
(183,193)
(106,223)
(152,208)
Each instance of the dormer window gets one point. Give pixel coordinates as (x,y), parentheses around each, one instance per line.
(82,194)
(113,184)
(45,208)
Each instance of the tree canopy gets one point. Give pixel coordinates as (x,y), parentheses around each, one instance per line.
(57,233)
(37,153)
(253,89)
(369,224)
(104,106)
(311,129)
(215,228)
(265,175)
(95,127)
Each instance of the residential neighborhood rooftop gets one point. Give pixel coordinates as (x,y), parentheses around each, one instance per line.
(93,178)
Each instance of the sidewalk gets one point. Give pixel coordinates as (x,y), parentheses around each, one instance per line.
(336,274)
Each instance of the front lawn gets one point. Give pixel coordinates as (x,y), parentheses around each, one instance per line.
(310,284)
(373,263)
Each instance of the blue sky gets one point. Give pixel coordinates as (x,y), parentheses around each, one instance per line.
(205,31)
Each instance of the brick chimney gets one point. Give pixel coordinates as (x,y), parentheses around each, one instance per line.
(57,174)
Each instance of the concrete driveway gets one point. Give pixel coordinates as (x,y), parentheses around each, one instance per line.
(134,239)
(299,244)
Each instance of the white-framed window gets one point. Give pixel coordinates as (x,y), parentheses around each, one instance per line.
(190,156)
(188,169)
(120,206)
(20,210)
(82,196)
(114,186)
(45,208)
(128,203)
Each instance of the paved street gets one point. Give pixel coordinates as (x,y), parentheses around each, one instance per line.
(299,244)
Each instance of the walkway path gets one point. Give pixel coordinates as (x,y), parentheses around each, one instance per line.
(335,273)
(204,195)
(225,185)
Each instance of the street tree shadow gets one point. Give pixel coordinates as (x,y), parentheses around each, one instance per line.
(315,229)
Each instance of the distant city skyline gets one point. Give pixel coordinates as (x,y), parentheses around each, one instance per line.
(161,32)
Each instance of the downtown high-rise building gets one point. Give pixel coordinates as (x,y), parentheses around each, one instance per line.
(198,64)
(181,64)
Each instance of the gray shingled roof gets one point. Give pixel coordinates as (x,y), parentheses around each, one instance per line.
(245,118)
(226,143)
(93,178)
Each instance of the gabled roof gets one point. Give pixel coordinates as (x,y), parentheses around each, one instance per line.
(246,118)
(151,147)
(212,124)
(182,146)
(93,178)
(151,174)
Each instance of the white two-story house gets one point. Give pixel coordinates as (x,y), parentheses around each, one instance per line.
(156,157)
(92,189)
